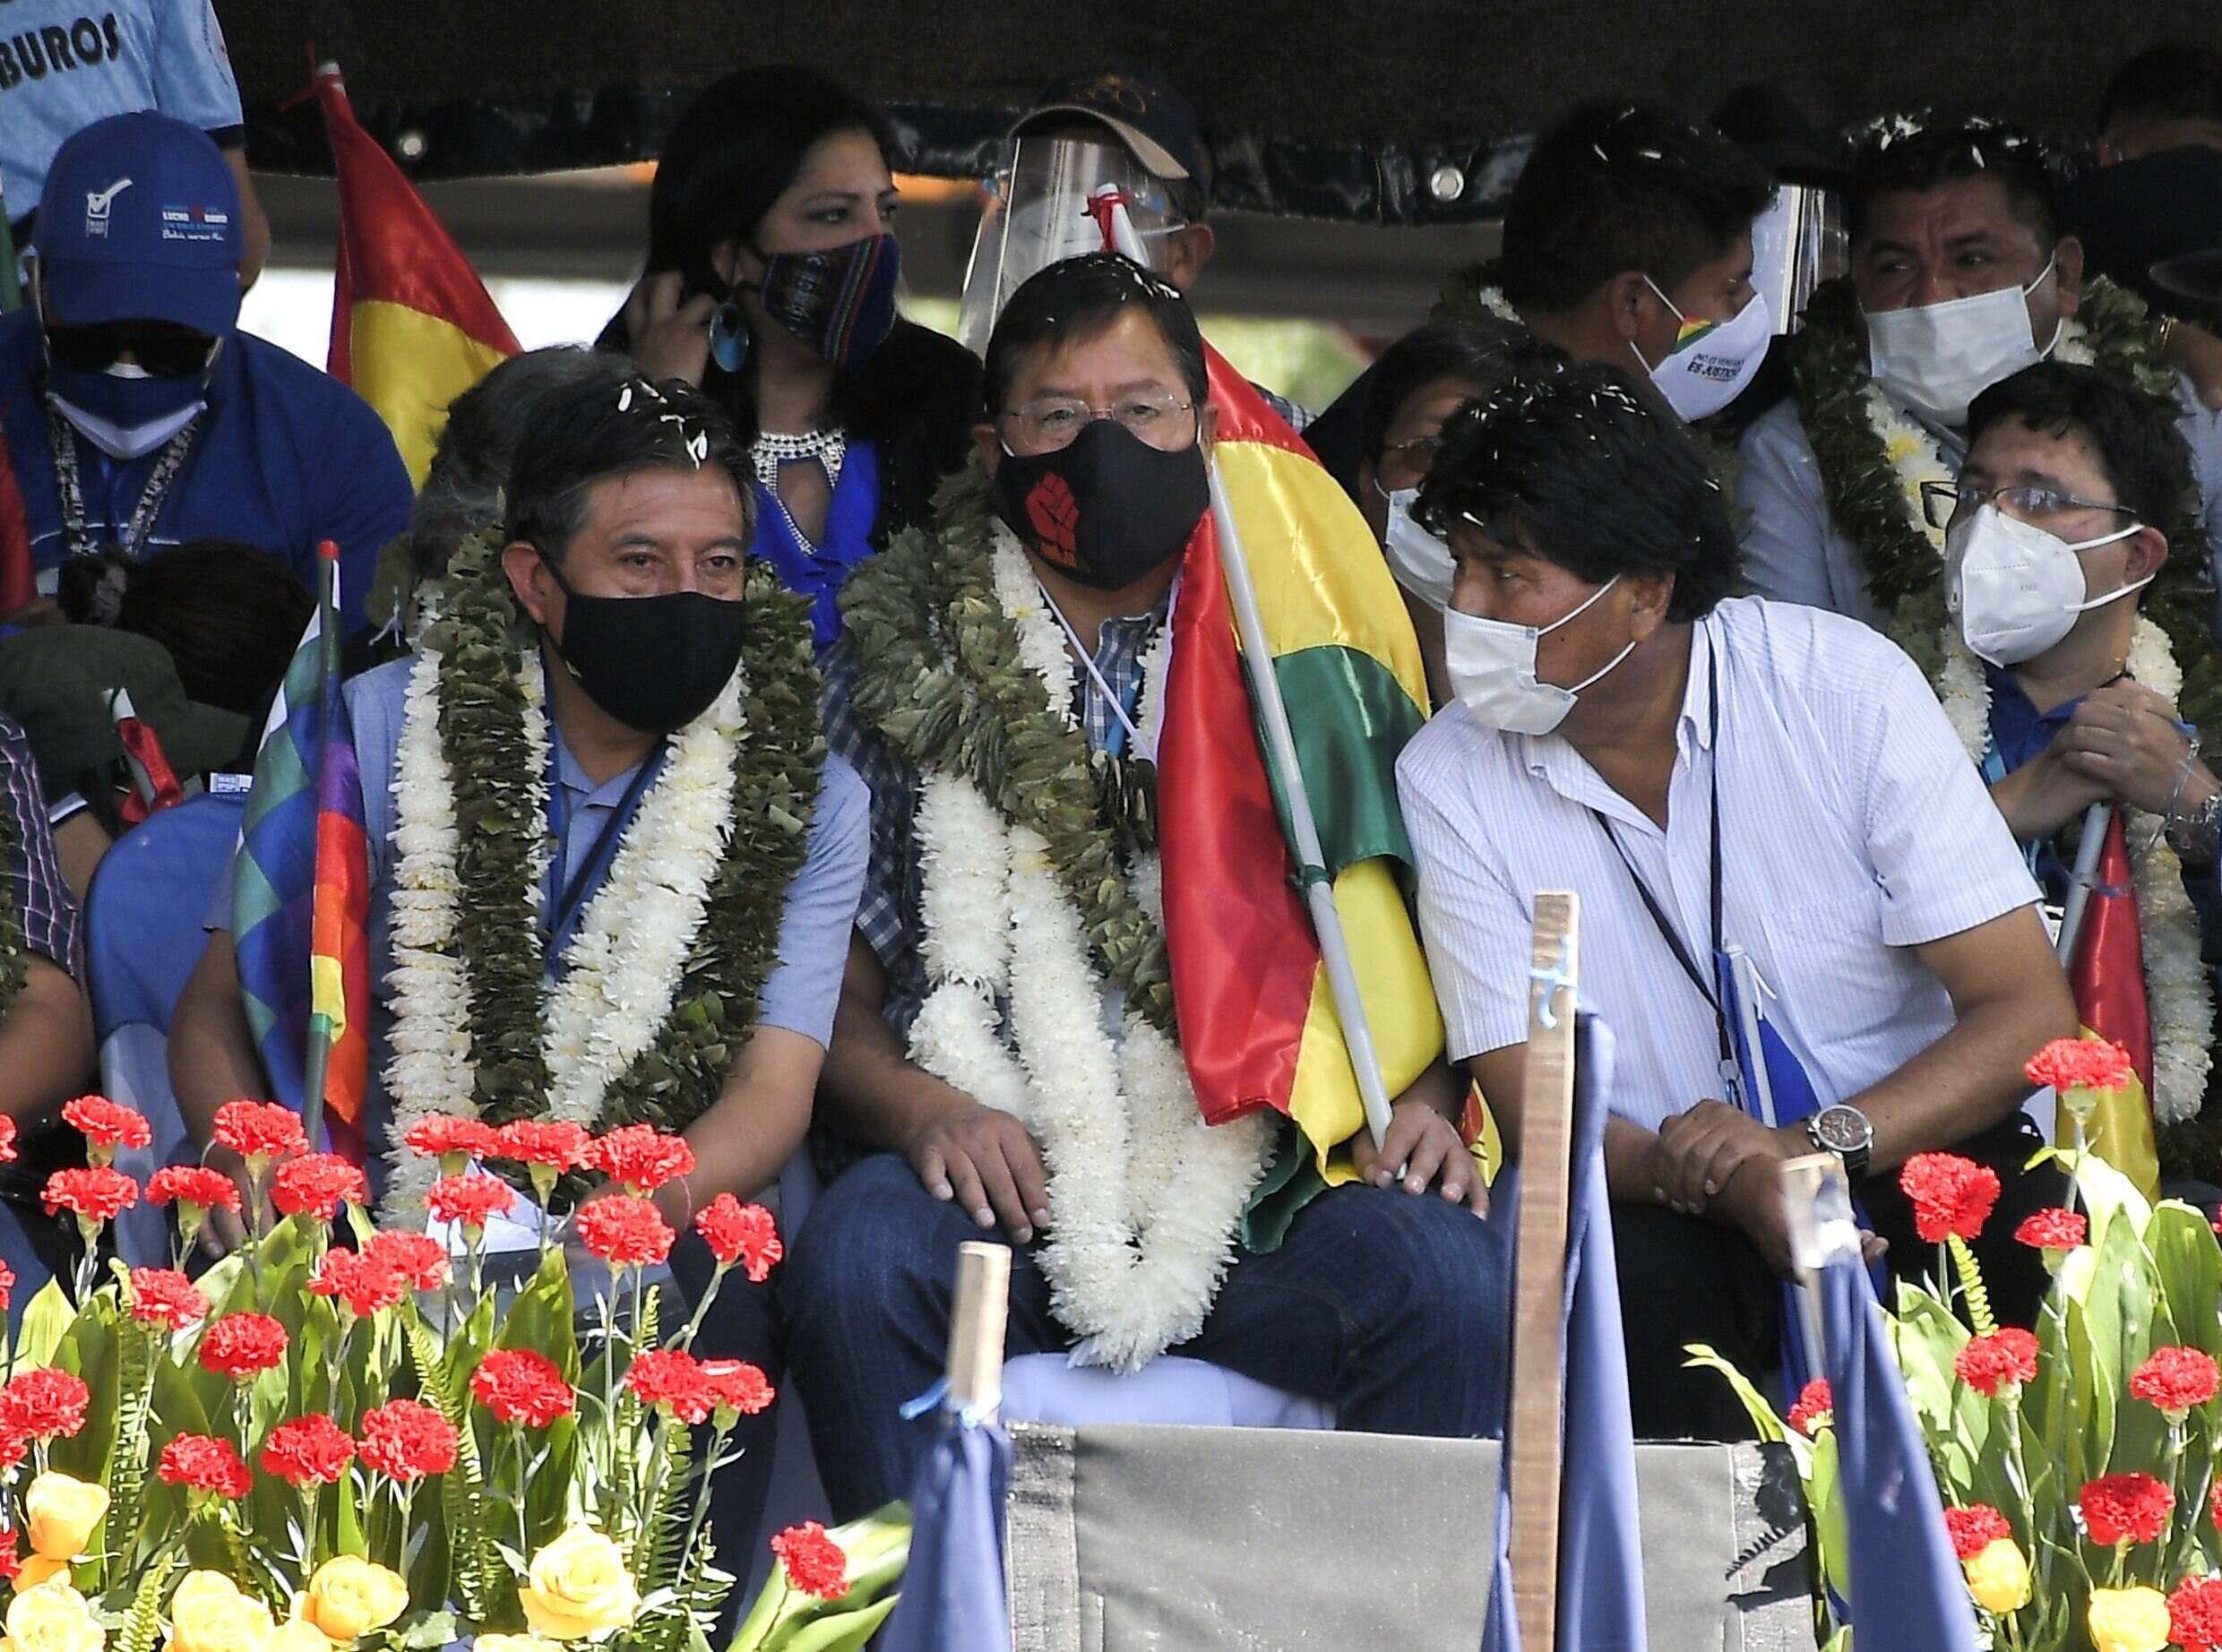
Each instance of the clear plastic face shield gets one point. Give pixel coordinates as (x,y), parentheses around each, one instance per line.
(1797,243)
(1053,199)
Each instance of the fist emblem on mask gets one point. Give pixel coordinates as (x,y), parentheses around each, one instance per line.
(1056,515)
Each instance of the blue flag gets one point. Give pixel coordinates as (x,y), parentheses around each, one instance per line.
(1907,1589)
(952,1590)
(1600,1554)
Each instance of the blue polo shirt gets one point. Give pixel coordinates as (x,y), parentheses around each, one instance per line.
(285,457)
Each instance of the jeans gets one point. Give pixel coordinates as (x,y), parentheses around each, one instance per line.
(1396,1309)
(744,1323)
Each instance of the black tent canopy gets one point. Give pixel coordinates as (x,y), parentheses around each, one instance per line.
(1401,112)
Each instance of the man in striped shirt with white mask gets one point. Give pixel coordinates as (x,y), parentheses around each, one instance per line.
(1710,773)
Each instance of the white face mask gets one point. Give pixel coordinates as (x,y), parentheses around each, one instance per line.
(1491,666)
(1422,562)
(1940,356)
(2016,589)
(1709,369)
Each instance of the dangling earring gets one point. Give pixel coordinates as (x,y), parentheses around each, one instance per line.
(728,336)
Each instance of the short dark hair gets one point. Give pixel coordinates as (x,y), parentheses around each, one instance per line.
(1893,160)
(1578,466)
(579,434)
(230,615)
(1480,350)
(2173,81)
(2138,443)
(1619,186)
(1078,298)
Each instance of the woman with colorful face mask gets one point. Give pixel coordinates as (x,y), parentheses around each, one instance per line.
(772,277)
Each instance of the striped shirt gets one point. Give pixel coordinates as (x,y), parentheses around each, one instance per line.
(44,906)
(1853,830)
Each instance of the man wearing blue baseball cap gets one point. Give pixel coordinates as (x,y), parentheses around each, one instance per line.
(138,417)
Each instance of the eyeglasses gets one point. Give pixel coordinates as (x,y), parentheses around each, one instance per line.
(165,352)
(1942,502)
(1045,426)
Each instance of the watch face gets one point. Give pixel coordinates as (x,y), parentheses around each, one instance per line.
(1842,1129)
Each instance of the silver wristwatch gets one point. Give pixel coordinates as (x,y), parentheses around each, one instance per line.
(1846,1132)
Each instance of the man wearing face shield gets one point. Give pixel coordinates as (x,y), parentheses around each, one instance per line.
(1960,277)
(138,416)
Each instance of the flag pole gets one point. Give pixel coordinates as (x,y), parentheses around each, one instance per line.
(2095,822)
(1280,756)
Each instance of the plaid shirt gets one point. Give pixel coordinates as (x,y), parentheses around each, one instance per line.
(889,914)
(44,905)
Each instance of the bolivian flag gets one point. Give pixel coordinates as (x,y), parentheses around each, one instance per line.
(1257,1022)
(412,325)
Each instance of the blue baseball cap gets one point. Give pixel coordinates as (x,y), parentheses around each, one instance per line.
(140,221)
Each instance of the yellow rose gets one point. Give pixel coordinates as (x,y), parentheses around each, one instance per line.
(577,1587)
(2129,1620)
(516,1643)
(39,1569)
(350,1597)
(59,1513)
(294,1635)
(52,1617)
(208,1613)
(1999,1577)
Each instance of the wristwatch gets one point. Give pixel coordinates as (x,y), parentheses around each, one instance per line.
(1846,1132)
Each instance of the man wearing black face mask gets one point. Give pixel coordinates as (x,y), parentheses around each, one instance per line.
(134,411)
(597,795)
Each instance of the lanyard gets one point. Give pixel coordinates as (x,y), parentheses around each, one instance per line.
(1117,745)
(79,539)
(572,891)
(1666,930)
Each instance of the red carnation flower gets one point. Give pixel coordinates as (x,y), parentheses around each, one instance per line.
(1975,1529)
(640,1155)
(363,1282)
(14,1449)
(551,1143)
(1949,1194)
(672,1377)
(2080,1064)
(109,1123)
(43,1402)
(309,1451)
(1987,1363)
(11,1562)
(813,1561)
(518,1385)
(201,1185)
(735,1385)
(239,1346)
(164,1296)
(745,1233)
(2172,1381)
(205,1464)
(2195,1614)
(2131,1507)
(7,1284)
(317,1185)
(2052,1229)
(419,1258)
(625,1233)
(1815,1408)
(261,1130)
(406,1440)
(443,1135)
(96,1193)
(472,1200)
(7,1138)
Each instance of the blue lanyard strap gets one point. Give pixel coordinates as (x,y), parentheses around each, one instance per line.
(571,892)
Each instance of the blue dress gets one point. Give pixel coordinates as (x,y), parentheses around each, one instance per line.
(819,571)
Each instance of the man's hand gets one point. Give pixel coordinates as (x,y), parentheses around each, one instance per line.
(221,1232)
(983,1160)
(1753,1202)
(2195,352)
(1700,1149)
(669,339)
(2044,795)
(2124,737)
(1426,1144)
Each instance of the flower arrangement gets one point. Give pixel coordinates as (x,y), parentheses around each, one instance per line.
(332,1439)
(2080,1459)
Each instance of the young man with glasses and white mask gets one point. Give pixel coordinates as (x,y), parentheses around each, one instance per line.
(1717,778)
(1960,277)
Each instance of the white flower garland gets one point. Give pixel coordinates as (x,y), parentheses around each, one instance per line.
(1146,1196)
(1492,300)
(2177,996)
(623,964)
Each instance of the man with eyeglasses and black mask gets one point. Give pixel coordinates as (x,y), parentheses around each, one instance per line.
(1004,1047)
(137,416)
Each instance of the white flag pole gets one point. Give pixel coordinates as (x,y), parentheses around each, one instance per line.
(1280,753)
(2095,825)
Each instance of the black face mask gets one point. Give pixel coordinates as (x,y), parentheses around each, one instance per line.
(653,663)
(1108,510)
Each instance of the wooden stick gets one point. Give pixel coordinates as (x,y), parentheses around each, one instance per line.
(1536,1435)
(976,1329)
